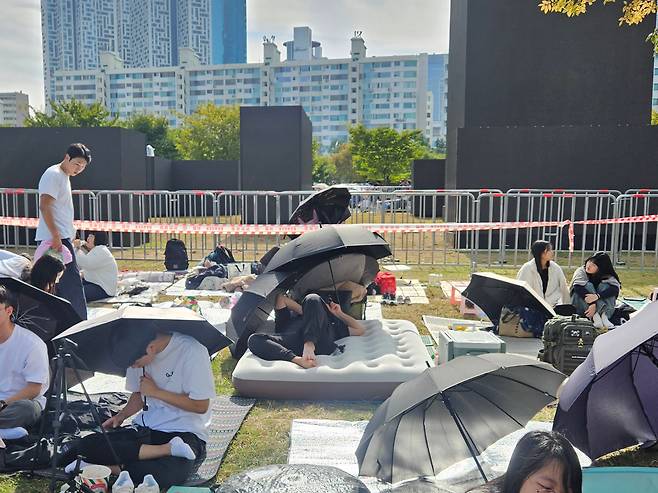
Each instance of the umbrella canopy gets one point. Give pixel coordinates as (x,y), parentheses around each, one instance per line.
(622,363)
(328,242)
(99,339)
(44,314)
(293,478)
(328,206)
(257,302)
(492,292)
(453,412)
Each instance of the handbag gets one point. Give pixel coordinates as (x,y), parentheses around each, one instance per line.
(509,324)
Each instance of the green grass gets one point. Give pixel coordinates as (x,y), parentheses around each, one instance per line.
(265,434)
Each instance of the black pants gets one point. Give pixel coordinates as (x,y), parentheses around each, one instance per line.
(69,286)
(167,471)
(93,292)
(313,326)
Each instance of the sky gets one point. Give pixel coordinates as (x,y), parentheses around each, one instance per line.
(390,27)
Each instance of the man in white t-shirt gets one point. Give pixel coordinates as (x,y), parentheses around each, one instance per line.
(24,372)
(171,381)
(56,219)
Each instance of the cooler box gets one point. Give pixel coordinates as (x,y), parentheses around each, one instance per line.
(455,343)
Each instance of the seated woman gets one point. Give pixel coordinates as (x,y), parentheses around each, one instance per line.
(44,274)
(98,268)
(542,462)
(299,339)
(544,276)
(594,290)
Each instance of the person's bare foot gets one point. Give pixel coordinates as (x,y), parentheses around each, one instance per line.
(304,363)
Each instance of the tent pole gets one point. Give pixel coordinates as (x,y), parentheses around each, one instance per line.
(465,435)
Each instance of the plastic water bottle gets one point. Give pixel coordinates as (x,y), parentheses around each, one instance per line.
(149,485)
(123,484)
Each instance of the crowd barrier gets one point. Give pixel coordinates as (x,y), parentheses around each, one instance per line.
(477,228)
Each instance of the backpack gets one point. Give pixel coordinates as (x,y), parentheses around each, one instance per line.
(221,255)
(176,255)
(386,282)
(567,342)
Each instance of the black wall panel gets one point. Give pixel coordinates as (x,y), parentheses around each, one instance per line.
(428,174)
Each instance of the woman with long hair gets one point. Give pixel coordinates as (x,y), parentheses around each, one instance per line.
(99,269)
(594,290)
(44,274)
(542,462)
(544,276)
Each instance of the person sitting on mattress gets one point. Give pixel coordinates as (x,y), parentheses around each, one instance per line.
(171,380)
(312,332)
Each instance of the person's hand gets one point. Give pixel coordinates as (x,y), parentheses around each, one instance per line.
(308,356)
(56,243)
(334,308)
(147,386)
(114,422)
(591,298)
(591,310)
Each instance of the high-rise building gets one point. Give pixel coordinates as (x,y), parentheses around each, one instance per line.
(383,91)
(229,31)
(142,33)
(14,108)
(438,85)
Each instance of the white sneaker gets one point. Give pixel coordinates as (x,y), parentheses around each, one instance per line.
(123,484)
(149,485)
(606,322)
(598,321)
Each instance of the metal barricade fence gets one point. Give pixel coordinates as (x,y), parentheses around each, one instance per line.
(511,246)
(637,242)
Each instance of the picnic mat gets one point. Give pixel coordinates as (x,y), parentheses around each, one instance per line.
(374,310)
(149,276)
(178,289)
(333,443)
(228,413)
(396,267)
(446,287)
(413,289)
(147,296)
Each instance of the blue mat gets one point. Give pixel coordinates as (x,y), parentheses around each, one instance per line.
(620,479)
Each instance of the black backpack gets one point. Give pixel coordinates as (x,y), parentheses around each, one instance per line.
(567,342)
(221,255)
(176,255)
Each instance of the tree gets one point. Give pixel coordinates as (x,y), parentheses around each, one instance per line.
(72,114)
(383,154)
(157,131)
(654,117)
(323,169)
(211,132)
(632,11)
(342,161)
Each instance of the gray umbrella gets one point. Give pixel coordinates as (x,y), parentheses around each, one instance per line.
(452,412)
(622,363)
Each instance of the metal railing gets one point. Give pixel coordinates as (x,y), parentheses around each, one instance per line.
(631,244)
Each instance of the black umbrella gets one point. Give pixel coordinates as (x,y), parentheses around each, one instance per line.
(328,206)
(610,402)
(44,314)
(492,292)
(328,242)
(293,478)
(106,344)
(452,412)
(257,302)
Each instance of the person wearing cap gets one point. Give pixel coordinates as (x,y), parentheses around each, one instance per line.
(56,219)
(171,381)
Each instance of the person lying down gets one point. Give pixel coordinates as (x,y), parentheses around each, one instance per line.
(313,331)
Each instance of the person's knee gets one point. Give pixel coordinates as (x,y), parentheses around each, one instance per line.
(25,413)
(255,342)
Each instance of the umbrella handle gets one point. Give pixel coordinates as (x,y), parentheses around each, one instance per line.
(145,407)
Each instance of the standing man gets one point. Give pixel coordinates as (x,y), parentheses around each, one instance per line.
(24,377)
(56,220)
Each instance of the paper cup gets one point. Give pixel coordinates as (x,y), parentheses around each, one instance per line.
(96,478)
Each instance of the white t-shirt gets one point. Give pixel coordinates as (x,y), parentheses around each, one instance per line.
(99,267)
(12,265)
(182,368)
(23,359)
(56,183)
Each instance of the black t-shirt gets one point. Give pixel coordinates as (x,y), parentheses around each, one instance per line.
(544,279)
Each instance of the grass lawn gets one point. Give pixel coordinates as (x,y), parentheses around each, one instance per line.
(264,436)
